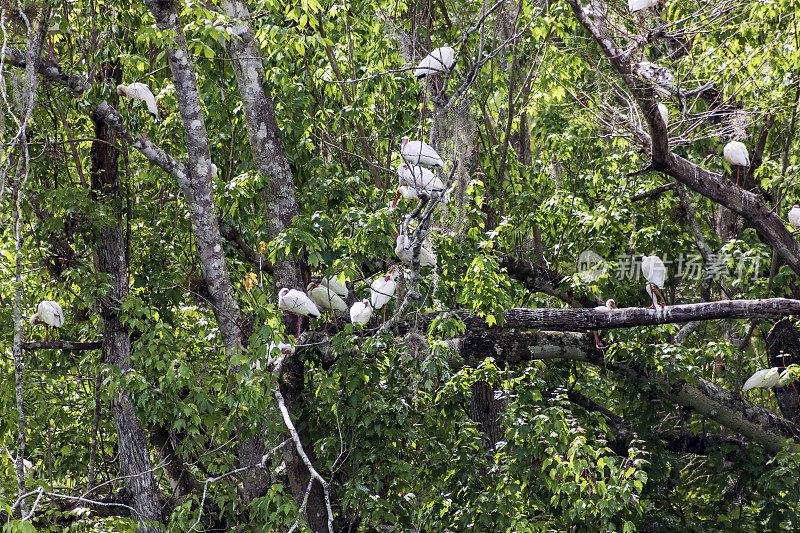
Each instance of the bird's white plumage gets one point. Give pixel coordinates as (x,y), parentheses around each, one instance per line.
(214,171)
(440,60)
(381,290)
(422,179)
(664,112)
(408,193)
(794,216)
(403,251)
(48,312)
(297,302)
(140,91)
(361,312)
(638,5)
(326,298)
(608,306)
(420,153)
(736,153)
(284,348)
(333,284)
(654,270)
(762,379)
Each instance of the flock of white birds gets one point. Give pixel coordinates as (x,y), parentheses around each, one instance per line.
(417,181)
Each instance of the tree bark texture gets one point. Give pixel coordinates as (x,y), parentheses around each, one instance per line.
(197,186)
(134,456)
(783,349)
(729,409)
(587,319)
(710,184)
(280,206)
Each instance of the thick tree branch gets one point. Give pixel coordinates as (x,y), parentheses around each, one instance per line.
(540,279)
(62,345)
(49,70)
(588,319)
(709,184)
(727,408)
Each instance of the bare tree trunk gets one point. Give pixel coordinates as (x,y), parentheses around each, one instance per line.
(269,157)
(134,456)
(486,411)
(783,348)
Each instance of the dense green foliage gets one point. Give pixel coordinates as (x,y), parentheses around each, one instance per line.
(388,418)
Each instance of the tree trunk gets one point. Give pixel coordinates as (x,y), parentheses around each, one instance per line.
(269,158)
(134,457)
(783,348)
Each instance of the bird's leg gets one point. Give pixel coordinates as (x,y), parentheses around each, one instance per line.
(653,296)
(661,297)
(394,204)
(597,342)
(641,24)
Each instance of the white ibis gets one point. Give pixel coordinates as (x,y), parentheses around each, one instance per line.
(420,153)
(794,216)
(609,305)
(326,298)
(284,348)
(382,289)
(140,91)
(297,302)
(408,193)
(333,284)
(662,78)
(27,466)
(442,60)
(48,313)
(214,171)
(654,272)
(736,154)
(763,379)
(422,179)
(664,112)
(361,312)
(403,251)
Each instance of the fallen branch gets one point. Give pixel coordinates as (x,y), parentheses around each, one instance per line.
(62,345)
(588,319)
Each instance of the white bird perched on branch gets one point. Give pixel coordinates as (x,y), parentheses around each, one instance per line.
(654,272)
(48,313)
(284,348)
(382,289)
(638,6)
(333,284)
(403,251)
(140,91)
(794,217)
(420,153)
(27,466)
(736,154)
(762,379)
(440,60)
(609,305)
(297,302)
(361,312)
(326,298)
(422,179)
